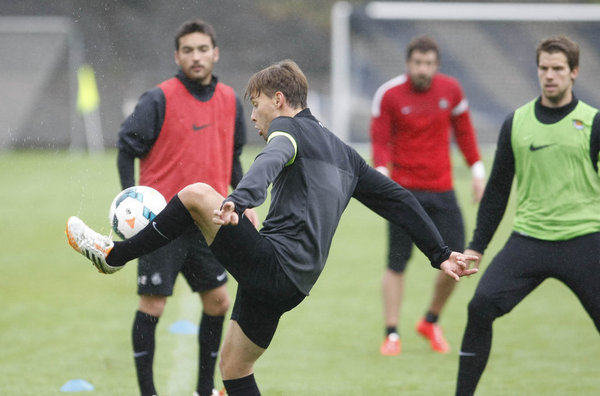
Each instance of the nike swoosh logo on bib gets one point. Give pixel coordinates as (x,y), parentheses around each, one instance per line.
(199,127)
(536,148)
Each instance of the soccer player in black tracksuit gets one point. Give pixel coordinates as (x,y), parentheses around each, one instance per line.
(313,176)
(551,146)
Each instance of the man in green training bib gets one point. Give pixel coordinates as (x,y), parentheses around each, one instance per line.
(551,145)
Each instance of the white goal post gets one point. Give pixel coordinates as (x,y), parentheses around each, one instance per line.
(343,100)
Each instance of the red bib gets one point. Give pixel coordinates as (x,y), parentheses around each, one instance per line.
(195,143)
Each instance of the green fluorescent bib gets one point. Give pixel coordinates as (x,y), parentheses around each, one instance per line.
(558,190)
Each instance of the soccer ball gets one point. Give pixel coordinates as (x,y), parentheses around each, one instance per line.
(133,209)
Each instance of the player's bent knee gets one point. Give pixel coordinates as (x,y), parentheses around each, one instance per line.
(197,190)
(152,305)
(223,306)
(216,305)
(483,308)
(194,195)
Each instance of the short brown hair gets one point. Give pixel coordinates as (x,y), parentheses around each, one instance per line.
(560,44)
(422,44)
(195,26)
(284,76)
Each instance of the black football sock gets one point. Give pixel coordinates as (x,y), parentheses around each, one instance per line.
(431,318)
(144,327)
(245,386)
(170,223)
(209,338)
(391,330)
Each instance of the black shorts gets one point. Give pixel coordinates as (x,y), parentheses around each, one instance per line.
(447,217)
(188,254)
(265,292)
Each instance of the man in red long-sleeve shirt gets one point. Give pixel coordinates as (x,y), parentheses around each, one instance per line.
(413,116)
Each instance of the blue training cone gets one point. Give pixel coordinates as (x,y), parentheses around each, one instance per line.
(77,385)
(183,327)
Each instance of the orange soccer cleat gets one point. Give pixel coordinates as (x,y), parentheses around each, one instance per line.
(433,332)
(391,346)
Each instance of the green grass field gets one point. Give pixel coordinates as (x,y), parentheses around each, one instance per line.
(61,320)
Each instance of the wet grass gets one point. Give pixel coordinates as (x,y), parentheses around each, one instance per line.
(62,320)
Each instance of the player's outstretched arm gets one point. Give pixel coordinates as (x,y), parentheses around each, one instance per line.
(458,264)
(226,215)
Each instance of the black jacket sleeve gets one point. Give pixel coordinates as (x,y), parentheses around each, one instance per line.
(239,140)
(399,206)
(497,191)
(139,132)
(125,166)
(595,141)
(253,188)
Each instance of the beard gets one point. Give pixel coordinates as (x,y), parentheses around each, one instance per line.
(421,83)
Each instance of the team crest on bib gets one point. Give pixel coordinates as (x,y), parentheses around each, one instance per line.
(578,124)
(443,104)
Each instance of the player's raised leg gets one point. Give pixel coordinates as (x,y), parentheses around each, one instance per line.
(195,203)
(201,200)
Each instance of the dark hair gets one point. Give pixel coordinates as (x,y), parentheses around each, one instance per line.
(422,44)
(560,44)
(195,26)
(284,76)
